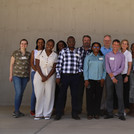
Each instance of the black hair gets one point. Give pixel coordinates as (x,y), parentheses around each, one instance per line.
(23,40)
(37,43)
(116,40)
(99,46)
(70,37)
(86,36)
(51,40)
(61,41)
(132,45)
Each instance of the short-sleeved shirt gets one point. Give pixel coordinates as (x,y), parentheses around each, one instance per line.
(46,62)
(128,58)
(21,66)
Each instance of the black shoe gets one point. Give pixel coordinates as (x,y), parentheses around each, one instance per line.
(122,118)
(108,116)
(57,117)
(76,117)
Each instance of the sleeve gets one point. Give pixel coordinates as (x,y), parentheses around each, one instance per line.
(104,70)
(121,67)
(14,54)
(56,58)
(80,65)
(129,57)
(38,55)
(59,65)
(86,68)
(108,70)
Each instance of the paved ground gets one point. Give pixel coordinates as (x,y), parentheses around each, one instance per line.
(67,125)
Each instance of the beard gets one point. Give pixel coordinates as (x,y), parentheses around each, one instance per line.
(86,45)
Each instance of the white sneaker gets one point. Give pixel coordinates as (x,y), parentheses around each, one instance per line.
(37,118)
(47,118)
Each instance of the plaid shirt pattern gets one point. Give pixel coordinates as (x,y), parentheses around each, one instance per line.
(82,52)
(69,62)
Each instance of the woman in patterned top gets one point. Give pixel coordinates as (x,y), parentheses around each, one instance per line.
(19,74)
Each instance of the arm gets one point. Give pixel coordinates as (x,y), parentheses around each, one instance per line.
(44,78)
(128,71)
(32,61)
(103,75)
(52,71)
(12,61)
(85,71)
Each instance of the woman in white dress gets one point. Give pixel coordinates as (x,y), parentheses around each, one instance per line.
(44,81)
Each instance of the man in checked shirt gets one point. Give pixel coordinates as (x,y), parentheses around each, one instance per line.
(83,51)
(68,67)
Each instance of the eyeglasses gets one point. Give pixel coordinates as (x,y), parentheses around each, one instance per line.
(96,47)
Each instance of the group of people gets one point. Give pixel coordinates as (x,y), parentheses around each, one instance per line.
(107,74)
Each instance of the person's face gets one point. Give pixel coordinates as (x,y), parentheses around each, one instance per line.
(96,48)
(49,46)
(60,46)
(71,42)
(23,45)
(86,42)
(40,44)
(107,41)
(132,48)
(124,45)
(116,46)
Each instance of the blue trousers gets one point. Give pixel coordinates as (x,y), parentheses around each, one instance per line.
(19,85)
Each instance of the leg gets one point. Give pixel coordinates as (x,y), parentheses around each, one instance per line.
(110,88)
(39,93)
(33,98)
(119,92)
(80,93)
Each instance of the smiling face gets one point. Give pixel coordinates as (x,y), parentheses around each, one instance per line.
(40,44)
(116,46)
(86,42)
(49,46)
(23,44)
(60,46)
(107,41)
(71,42)
(124,45)
(96,48)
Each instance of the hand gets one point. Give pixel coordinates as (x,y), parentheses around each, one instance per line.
(86,83)
(58,81)
(10,78)
(115,81)
(44,78)
(102,82)
(126,79)
(111,75)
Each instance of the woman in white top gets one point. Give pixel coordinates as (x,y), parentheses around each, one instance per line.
(40,45)
(44,81)
(126,72)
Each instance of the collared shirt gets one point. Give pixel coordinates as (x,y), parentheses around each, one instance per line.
(128,58)
(105,50)
(115,63)
(94,67)
(21,66)
(82,52)
(68,62)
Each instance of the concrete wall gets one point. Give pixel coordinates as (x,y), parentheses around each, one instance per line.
(57,19)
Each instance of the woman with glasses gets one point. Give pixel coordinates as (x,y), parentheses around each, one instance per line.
(94,75)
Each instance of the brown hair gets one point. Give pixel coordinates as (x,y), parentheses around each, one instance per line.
(23,40)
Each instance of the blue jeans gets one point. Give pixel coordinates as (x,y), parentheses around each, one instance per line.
(33,98)
(19,85)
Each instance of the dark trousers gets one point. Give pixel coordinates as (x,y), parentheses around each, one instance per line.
(80,93)
(57,91)
(126,88)
(67,80)
(93,98)
(119,91)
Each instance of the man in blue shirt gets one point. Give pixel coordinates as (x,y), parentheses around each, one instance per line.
(105,49)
